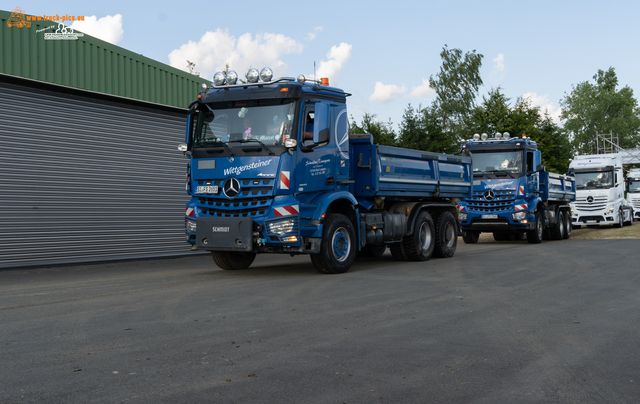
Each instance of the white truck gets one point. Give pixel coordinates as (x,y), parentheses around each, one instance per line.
(633,191)
(600,190)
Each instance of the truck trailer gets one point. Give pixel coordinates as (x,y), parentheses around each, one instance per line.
(599,191)
(513,194)
(273,168)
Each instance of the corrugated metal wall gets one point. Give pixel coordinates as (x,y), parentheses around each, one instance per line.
(84,179)
(91,64)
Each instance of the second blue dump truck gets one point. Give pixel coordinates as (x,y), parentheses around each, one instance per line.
(273,168)
(513,194)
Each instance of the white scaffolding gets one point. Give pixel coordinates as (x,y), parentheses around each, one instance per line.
(609,144)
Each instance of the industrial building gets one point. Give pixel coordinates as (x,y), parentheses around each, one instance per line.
(89,166)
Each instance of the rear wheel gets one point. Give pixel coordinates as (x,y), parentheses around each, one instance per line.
(620,219)
(446,235)
(373,250)
(419,245)
(337,250)
(231,260)
(397,252)
(471,237)
(567,225)
(534,236)
(557,231)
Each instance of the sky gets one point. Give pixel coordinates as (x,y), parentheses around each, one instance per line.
(383,53)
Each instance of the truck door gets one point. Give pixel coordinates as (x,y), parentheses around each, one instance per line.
(341,139)
(315,168)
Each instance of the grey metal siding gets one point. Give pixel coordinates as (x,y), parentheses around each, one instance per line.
(84,179)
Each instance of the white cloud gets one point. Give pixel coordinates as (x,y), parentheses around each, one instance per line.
(498,63)
(543,102)
(107,28)
(217,48)
(422,91)
(386,92)
(312,35)
(338,57)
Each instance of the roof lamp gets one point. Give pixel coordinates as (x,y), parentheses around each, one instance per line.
(324,81)
(218,78)
(253,75)
(484,136)
(506,136)
(204,86)
(266,74)
(301,79)
(232,77)
(498,135)
(476,137)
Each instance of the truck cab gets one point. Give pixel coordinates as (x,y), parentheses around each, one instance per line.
(599,191)
(633,191)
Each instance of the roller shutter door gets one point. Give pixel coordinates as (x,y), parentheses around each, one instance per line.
(84,179)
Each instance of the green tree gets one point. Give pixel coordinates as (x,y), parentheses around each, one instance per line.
(456,87)
(383,133)
(600,108)
(420,129)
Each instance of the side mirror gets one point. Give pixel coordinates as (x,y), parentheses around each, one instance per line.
(321,123)
(540,168)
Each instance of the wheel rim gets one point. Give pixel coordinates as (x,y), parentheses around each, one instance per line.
(449,234)
(341,245)
(425,236)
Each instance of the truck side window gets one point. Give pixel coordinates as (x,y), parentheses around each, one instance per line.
(307,126)
(530,168)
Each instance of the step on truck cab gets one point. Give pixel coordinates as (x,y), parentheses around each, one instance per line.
(599,191)
(273,169)
(513,194)
(633,191)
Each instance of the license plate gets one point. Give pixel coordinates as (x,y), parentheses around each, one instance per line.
(591,221)
(207,189)
(489,216)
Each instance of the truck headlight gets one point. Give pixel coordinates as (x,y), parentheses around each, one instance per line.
(190,226)
(521,215)
(280,227)
(609,211)
(463,216)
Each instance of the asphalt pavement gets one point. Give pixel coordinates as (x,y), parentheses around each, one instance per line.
(497,323)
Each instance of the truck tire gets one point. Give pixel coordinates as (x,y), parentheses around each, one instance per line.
(338,248)
(630,221)
(557,231)
(567,225)
(620,220)
(231,260)
(446,235)
(419,245)
(471,237)
(397,252)
(535,236)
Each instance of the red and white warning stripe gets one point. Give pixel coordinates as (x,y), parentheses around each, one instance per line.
(284,179)
(286,210)
(521,207)
(189,212)
(521,190)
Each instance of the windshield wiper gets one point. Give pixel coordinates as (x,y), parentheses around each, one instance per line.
(217,144)
(501,171)
(254,140)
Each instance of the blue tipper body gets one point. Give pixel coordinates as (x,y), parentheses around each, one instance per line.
(510,187)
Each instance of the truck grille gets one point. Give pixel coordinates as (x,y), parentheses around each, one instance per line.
(599,203)
(254,199)
(635,203)
(503,202)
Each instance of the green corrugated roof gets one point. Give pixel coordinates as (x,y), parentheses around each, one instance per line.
(91,64)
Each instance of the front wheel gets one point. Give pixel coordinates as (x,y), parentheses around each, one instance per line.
(535,236)
(338,249)
(567,225)
(471,237)
(231,260)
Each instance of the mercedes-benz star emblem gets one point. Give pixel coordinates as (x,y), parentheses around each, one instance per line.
(590,199)
(489,195)
(231,188)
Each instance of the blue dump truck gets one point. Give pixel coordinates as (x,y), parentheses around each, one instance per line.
(513,194)
(273,168)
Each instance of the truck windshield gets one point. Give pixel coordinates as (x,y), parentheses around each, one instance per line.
(601,179)
(494,162)
(268,122)
(634,185)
